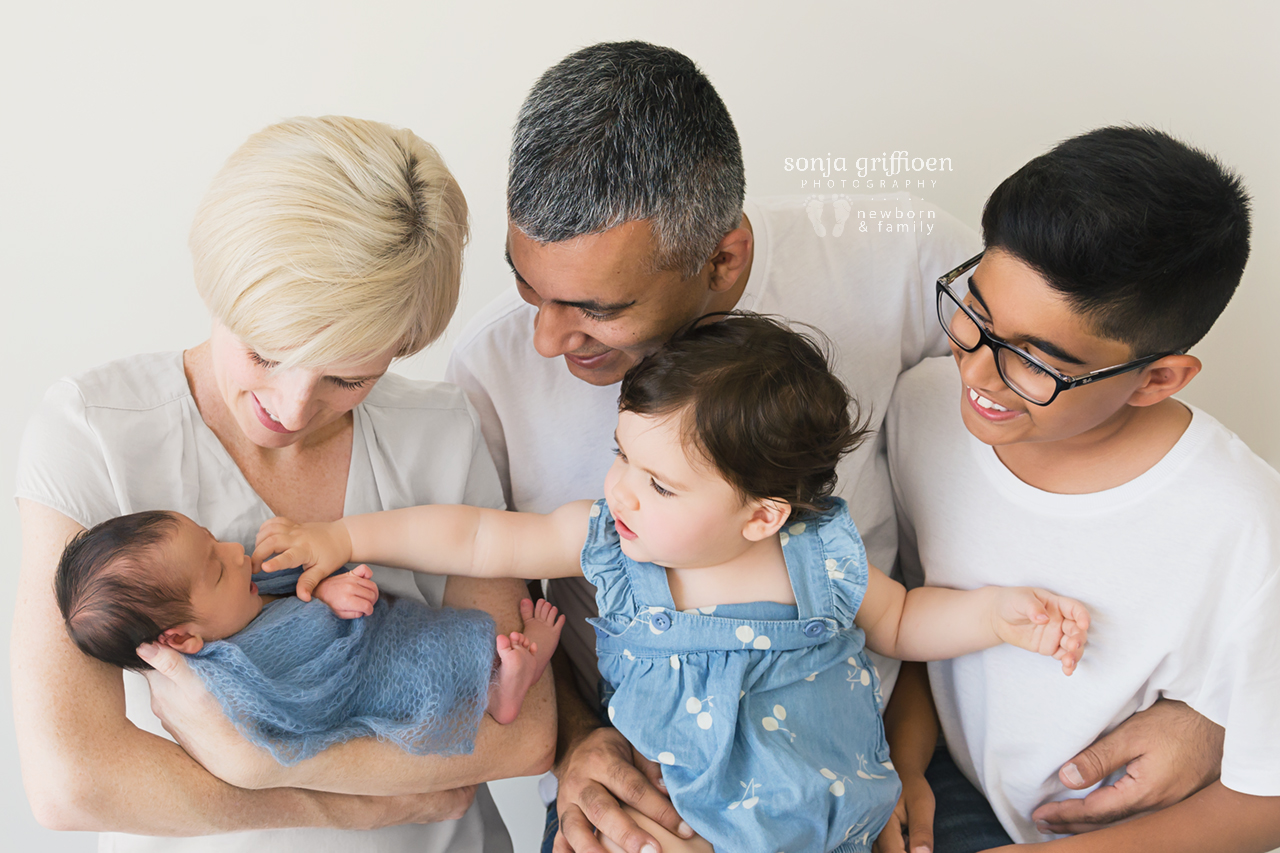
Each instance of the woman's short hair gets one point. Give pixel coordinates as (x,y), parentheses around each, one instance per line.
(327,239)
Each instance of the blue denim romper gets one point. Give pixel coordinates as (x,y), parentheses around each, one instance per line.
(765,717)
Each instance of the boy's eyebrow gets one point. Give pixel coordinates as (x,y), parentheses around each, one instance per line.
(593,305)
(1047,347)
(654,474)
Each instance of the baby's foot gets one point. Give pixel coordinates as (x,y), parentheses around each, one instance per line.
(522,657)
(841,207)
(814,208)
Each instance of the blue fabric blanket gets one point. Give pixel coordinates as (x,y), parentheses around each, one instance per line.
(298,679)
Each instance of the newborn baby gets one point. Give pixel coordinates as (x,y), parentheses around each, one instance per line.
(297,677)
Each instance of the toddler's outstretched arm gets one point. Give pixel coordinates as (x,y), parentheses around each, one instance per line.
(933,623)
(443,540)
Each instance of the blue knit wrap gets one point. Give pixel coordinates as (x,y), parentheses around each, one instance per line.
(298,679)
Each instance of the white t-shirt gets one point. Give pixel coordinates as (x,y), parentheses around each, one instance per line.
(127,437)
(1178,568)
(551,434)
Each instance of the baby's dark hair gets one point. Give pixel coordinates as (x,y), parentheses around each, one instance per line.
(764,407)
(113,592)
(1144,235)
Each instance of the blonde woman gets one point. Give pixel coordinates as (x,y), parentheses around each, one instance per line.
(325,249)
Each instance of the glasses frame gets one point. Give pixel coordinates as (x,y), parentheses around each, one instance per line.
(1062,382)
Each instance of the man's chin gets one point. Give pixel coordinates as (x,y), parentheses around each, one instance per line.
(607,369)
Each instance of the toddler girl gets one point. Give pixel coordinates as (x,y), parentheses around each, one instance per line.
(735,596)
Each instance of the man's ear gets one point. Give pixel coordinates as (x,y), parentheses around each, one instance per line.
(1164,378)
(766,519)
(731,257)
(182,639)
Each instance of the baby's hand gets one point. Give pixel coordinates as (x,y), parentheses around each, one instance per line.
(320,549)
(1043,622)
(349,595)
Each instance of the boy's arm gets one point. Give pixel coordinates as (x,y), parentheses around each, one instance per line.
(438,539)
(934,623)
(1215,818)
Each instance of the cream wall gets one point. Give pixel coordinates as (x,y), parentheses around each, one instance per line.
(117,115)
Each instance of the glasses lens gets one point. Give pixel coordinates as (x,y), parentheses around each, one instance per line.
(1025,377)
(960,327)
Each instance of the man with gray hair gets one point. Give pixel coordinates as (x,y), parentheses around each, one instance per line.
(627,220)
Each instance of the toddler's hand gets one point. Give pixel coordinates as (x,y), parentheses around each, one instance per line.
(1043,622)
(349,595)
(320,549)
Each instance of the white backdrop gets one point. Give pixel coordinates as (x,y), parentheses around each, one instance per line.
(117,115)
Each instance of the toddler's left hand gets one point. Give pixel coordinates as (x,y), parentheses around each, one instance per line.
(350,595)
(1043,622)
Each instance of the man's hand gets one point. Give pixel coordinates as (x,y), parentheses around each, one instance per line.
(320,549)
(1169,752)
(601,770)
(349,595)
(910,827)
(195,719)
(1042,622)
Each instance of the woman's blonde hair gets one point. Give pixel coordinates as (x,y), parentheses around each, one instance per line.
(328,239)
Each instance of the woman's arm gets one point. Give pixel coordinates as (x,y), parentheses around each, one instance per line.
(934,623)
(367,765)
(438,539)
(1215,818)
(86,767)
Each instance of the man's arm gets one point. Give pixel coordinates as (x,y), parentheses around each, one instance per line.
(86,767)
(911,728)
(1215,818)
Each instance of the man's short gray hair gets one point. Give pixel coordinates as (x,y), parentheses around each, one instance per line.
(625,131)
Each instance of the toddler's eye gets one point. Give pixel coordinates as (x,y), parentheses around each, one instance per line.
(617,451)
(664,492)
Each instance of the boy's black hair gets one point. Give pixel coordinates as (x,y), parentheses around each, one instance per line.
(1144,235)
(112,592)
(764,407)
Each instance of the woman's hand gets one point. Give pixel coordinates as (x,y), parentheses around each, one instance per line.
(1042,622)
(320,549)
(910,827)
(195,719)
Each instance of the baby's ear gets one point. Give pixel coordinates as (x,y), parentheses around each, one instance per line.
(181,639)
(767,518)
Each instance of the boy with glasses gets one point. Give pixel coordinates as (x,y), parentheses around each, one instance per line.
(1071,463)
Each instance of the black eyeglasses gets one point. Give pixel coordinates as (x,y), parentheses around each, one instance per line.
(1027,376)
